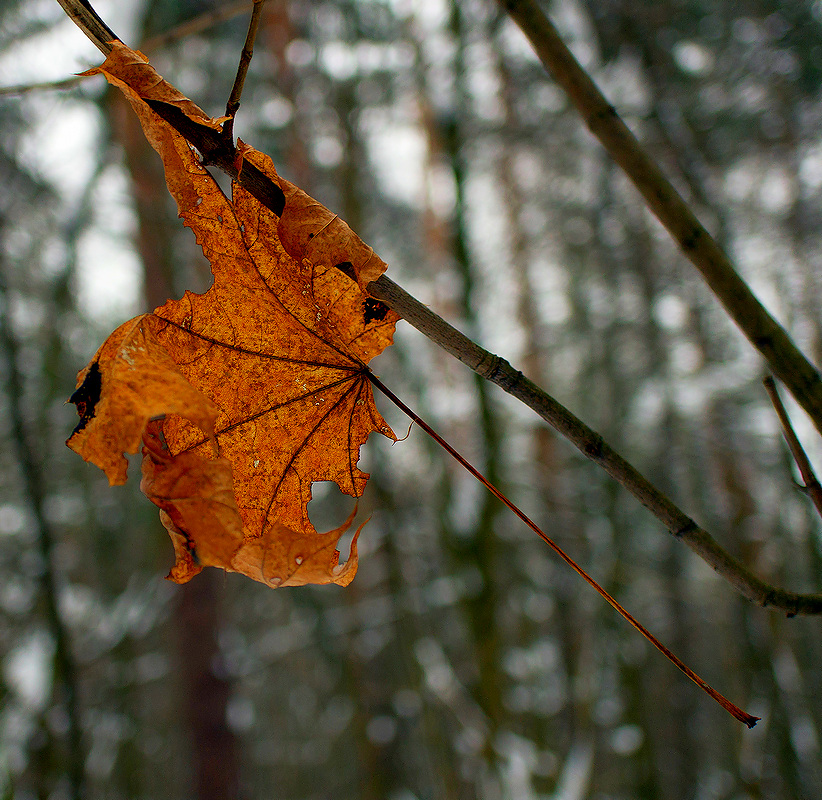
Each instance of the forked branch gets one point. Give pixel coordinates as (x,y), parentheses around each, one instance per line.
(803,464)
(497,370)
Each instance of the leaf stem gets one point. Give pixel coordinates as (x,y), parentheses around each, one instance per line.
(732,709)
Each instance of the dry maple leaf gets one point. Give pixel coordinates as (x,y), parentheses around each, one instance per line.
(278,346)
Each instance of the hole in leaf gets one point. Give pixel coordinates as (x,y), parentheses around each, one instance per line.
(329,506)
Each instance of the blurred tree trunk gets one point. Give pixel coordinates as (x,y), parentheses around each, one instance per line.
(455,139)
(569,618)
(672,743)
(63,752)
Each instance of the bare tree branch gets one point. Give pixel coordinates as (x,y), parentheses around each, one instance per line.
(784,358)
(499,371)
(86,18)
(591,444)
(188,28)
(25,88)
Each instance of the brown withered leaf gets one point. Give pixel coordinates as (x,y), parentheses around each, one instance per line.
(133,70)
(196,498)
(279,345)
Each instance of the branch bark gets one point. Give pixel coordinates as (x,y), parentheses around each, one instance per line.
(591,444)
(499,371)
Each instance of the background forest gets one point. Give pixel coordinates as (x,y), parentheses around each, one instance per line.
(465,661)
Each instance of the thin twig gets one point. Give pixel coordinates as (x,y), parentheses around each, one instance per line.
(198,24)
(42,86)
(785,359)
(500,372)
(233,103)
(188,28)
(732,709)
(812,485)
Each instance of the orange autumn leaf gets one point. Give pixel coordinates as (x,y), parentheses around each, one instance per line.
(279,346)
(133,70)
(307,229)
(131,380)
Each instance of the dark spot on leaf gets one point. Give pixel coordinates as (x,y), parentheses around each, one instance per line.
(192,549)
(374,310)
(87,395)
(310,235)
(348,268)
